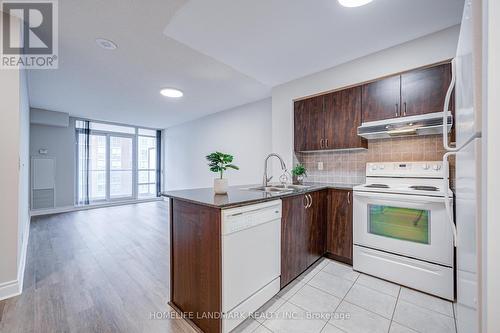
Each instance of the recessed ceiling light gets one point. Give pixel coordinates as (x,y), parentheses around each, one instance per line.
(171,92)
(106,44)
(354,3)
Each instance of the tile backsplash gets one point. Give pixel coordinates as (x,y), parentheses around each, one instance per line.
(348,166)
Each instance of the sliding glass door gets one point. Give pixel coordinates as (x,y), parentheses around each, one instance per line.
(98,183)
(115,162)
(121,167)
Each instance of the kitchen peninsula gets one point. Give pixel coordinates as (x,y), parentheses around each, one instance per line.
(309,222)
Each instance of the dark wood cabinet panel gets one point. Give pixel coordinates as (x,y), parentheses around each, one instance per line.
(196,262)
(293,244)
(424,90)
(381,99)
(339,225)
(316,226)
(308,124)
(342,118)
(303,233)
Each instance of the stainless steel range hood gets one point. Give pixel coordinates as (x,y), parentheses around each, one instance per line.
(426,124)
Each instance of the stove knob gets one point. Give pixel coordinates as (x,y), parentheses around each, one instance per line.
(436,167)
(374,167)
(425,166)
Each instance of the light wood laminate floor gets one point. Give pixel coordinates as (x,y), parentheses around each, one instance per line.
(99,270)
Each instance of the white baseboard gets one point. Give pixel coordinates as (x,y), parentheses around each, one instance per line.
(65,209)
(15,287)
(9,289)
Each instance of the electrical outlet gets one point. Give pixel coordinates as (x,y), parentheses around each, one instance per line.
(320,166)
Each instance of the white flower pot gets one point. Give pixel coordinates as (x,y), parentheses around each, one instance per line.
(220,186)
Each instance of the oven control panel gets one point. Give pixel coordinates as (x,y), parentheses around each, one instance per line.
(425,169)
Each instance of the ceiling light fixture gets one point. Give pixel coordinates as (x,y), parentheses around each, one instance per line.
(106,44)
(354,3)
(171,92)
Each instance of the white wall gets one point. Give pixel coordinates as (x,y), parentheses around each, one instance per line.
(14,218)
(244,132)
(60,143)
(423,51)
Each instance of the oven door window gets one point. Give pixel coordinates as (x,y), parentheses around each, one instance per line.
(399,223)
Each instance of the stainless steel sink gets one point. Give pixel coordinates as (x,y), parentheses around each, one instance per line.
(278,188)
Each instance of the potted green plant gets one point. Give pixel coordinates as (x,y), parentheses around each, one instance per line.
(220,162)
(299,172)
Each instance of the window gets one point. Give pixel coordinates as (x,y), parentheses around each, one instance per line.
(147,166)
(115,162)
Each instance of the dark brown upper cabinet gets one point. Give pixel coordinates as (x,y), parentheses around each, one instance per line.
(328,121)
(342,118)
(308,120)
(424,90)
(411,93)
(382,99)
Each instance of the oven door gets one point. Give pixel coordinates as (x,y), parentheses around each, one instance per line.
(411,225)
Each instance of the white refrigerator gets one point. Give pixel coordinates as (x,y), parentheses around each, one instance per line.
(467,150)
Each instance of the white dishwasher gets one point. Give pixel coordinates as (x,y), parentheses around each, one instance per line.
(251,259)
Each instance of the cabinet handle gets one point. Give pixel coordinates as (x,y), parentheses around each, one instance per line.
(310,200)
(349,198)
(307,201)
(326,143)
(321,143)
(396,109)
(404,109)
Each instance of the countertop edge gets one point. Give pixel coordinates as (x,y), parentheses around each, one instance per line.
(313,188)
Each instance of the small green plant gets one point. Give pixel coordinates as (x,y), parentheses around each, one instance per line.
(219,162)
(299,170)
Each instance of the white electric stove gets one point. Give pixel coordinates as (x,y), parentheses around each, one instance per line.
(401,229)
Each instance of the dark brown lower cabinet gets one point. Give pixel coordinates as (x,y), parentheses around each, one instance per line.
(195,267)
(339,225)
(302,233)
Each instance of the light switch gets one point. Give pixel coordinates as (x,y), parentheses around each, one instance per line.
(320,166)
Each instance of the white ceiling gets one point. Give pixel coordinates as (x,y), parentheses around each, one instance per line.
(221,53)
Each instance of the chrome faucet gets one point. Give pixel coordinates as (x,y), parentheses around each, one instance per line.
(283,167)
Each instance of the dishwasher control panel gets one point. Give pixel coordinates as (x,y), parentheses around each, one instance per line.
(240,218)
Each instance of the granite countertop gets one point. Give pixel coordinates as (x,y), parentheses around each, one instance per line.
(240,195)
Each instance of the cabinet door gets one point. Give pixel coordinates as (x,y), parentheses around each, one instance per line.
(293,241)
(316,226)
(309,124)
(424,90)
(342,118)
(381,99)
(339,225)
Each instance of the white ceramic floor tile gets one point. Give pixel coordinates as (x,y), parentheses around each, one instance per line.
(332,284)
(331,329)
(310,273)
(359,320)
(379,285)
(341,270)
(291,289)
(372,300)
(397,328)
(315,300)
(422,320)
(261,329)
(268,309)
(427,301)
(249,325)
(290,318)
